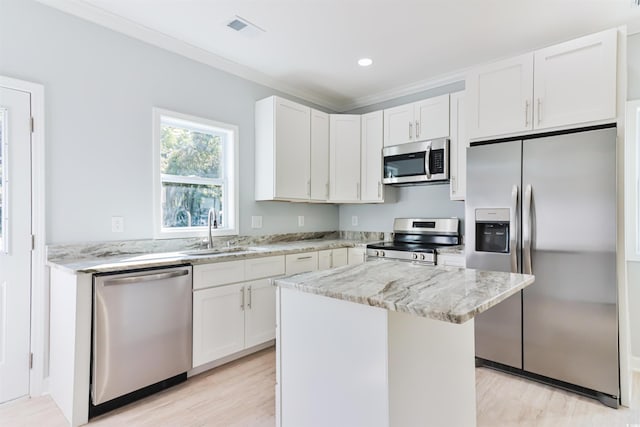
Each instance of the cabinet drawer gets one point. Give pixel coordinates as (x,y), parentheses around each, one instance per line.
(452,260)
(222,273)
(356,255)
(301,263)
(324,259)
(258,268)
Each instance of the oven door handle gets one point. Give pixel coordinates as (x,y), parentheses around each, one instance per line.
(513,229)
(427,157)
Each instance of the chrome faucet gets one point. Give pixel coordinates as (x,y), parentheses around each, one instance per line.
(212,220)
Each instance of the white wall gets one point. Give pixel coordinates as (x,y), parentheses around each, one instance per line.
(100,88)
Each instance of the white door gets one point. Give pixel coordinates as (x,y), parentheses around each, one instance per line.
(371,164)
(432,118)
(319,155)
(218,322)
(398,125)
(15,243)
(293,147)
(499,97)
(575,82)
(260,316)
(344,159)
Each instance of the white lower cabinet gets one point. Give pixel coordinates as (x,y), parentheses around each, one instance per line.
(332,258)
(357,255)
(260,312)
(218,323)
(231,317)
(452,260)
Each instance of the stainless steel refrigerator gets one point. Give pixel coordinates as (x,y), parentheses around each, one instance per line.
(547,206)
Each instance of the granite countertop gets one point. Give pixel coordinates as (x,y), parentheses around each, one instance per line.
(450,294)
(108,264)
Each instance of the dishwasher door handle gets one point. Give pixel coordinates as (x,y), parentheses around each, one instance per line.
(145,278)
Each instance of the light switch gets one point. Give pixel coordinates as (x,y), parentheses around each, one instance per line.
(354,220)
(256,222)
(300,221)
(117,224)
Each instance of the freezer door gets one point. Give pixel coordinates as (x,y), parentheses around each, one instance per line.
(493,172)
(570,314)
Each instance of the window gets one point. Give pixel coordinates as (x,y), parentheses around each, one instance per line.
(195,173)
(632,181)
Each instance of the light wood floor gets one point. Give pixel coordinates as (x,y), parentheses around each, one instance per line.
(241,393)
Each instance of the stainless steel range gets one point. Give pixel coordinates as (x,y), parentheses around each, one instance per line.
(416,239)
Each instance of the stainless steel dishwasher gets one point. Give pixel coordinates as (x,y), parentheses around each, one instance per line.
(141,333)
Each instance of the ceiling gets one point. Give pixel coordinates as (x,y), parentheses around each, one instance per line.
(310,48)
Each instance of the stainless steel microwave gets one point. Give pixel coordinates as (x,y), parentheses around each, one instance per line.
(416,162)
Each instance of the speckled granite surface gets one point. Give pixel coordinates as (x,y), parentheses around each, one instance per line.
(443,293)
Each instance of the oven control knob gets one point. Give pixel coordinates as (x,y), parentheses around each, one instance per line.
(414,256)
(422,257)
(381,253)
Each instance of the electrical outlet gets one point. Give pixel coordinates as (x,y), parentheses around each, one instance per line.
(256,222)
(300,221)
(117,224)
(354,220)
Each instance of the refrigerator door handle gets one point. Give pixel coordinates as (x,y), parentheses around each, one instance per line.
(513,229)
(526,230)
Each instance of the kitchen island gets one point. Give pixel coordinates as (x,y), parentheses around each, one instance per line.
(385,343)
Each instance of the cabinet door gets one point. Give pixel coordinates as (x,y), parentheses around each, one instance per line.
(575,82)
(301,263)
(339,257)
(458,148)
(371,157)
(356,255)
(344,160)
(324,259)
(499,97)
(431,118)
(293,142)
(218,322)
(319,155)
(398,125)
(260,313)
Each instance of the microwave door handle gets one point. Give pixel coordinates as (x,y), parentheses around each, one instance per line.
(427,156)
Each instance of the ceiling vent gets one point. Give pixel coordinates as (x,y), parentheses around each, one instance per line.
(244,26)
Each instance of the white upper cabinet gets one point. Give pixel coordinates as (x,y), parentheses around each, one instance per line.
(398,125)
(419,121)
(559,86)
(431,118)
(344,152)
(575,82)
(371,155)
(319,156)
(283,150)
(499,97)
(458,148)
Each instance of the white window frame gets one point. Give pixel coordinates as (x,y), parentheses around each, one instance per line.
(632,180)
(229,179)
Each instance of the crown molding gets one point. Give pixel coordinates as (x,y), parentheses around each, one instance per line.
(404,90)
(132,29)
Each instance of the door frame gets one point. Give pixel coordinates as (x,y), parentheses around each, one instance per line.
(39,273)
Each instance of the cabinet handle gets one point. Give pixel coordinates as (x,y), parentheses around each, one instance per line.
(309,188)
(417,128)
(526,113)
(379,189)
(454,187)
(358,190)
(327,190)
(304,257)
(242,297)
(249,303)
(410,130)
(539,110)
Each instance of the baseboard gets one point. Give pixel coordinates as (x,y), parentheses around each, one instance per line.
(230,358)
(635,363)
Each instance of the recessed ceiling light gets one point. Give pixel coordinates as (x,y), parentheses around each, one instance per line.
(365,62)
